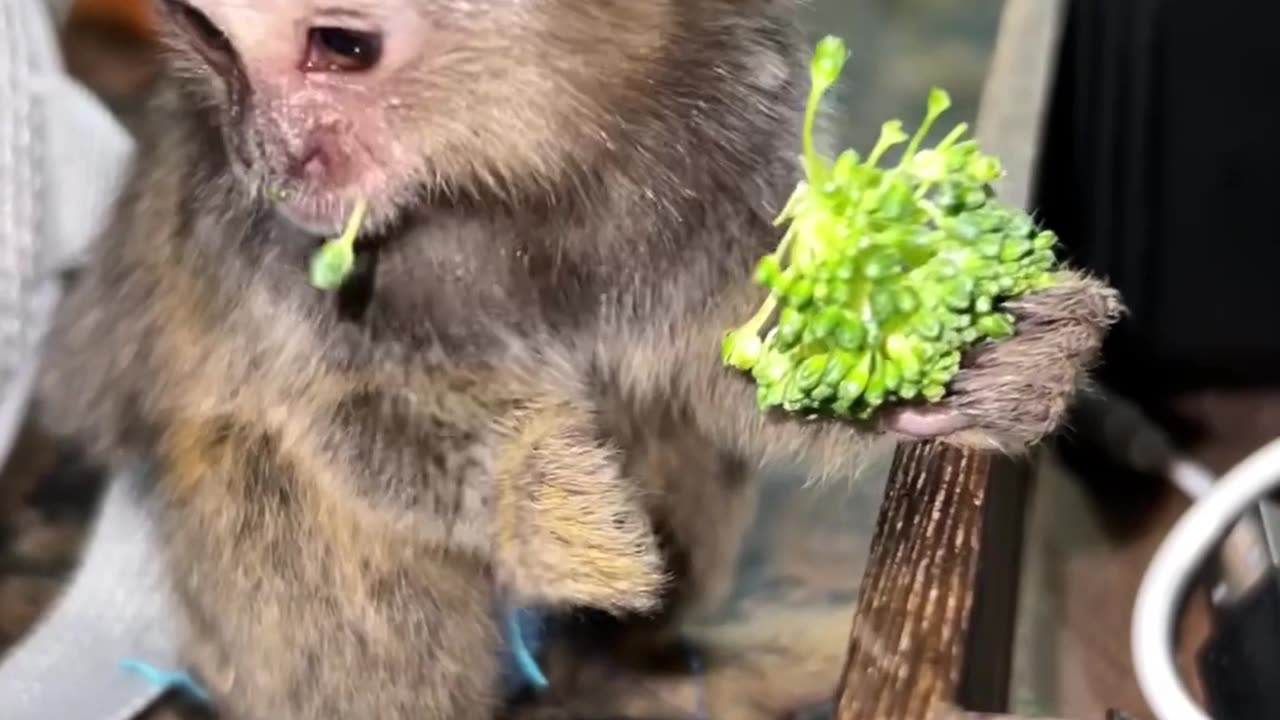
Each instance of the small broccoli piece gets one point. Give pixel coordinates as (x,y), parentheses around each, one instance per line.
(334,261)
(885,276)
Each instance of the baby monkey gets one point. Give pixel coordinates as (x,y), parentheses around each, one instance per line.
(517,399)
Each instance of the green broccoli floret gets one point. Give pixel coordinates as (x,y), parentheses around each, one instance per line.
(334,261)
(885,276)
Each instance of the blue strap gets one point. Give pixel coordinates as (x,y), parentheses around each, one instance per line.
(524,636)
(166,681)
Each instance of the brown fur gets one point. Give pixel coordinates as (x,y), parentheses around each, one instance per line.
(1019,389)
(527,404)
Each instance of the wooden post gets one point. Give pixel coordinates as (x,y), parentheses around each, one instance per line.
(932,636)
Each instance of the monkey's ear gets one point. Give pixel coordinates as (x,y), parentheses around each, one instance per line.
(1013,393)
(571,531)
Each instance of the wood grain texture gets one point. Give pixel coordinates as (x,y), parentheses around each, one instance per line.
(932,636)
(907,641)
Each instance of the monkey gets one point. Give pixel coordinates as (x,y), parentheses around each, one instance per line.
(517,398)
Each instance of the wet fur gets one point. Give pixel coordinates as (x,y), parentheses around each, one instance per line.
(529,405)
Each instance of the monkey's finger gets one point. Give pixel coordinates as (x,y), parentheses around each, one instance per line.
(1017,390)
(1077,303)
(925,422)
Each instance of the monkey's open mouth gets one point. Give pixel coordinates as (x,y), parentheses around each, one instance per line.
(322,216)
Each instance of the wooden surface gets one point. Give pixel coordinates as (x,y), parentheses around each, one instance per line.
(987,666)
(907,639)
(933,632)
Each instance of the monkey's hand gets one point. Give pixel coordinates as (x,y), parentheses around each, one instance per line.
(1010,395)
(1013,393)
(570,528)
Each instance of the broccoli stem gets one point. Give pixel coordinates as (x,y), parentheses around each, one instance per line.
(890,134)
(813,163)
(952,136)
(334,261)
(354,222)
(757,321)
(938,104)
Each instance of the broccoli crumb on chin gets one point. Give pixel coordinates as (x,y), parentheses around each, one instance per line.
(334,261)
(885,276)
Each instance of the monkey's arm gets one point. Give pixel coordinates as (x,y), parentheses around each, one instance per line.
(1008,396)
(537,490)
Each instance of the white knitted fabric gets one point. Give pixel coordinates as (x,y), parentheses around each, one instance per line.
(118,610)
(62,157)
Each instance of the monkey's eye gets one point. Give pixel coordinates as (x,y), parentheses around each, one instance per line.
(209,39)
(333,49)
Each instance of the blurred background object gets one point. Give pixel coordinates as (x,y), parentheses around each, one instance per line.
(132,16)
(898,50)
(1160,173)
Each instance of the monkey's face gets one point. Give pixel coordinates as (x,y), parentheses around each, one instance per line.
(321,101)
